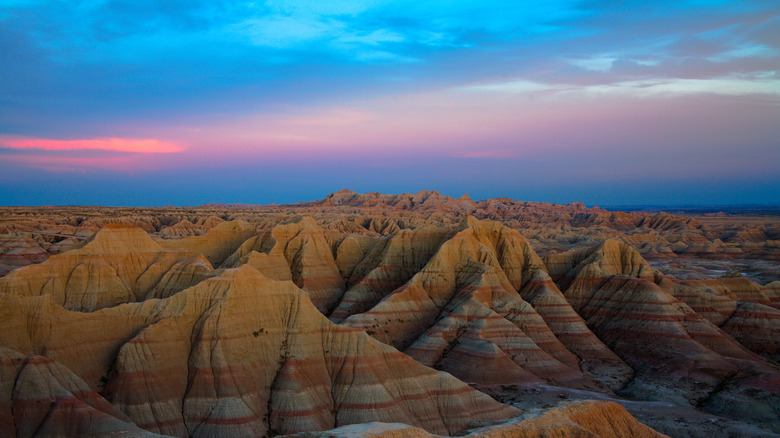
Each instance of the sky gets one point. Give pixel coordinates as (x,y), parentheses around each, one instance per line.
(174,102)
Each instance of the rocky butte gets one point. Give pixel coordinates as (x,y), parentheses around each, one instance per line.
(383,315)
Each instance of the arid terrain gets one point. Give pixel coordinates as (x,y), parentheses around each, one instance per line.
(388,315)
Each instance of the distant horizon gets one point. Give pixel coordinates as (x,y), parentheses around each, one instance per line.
(611,207)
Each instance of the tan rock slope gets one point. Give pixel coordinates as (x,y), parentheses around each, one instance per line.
(119,264)
(41,397)
(676,353)
(595,358)
(180,230)
(238,355)
(241,320)
(185,228)
(386,266)
(297,251)
(462,313)
(738,306)
(479,304)
(217,244)
(19,251)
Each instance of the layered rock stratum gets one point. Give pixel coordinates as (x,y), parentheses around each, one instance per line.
(387,315)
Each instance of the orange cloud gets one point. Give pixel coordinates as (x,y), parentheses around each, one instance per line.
(134,145)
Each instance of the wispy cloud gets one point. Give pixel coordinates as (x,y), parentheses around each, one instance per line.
(517,86)
(596,63)
(658,87)
(282,31)
(744,50)
(759,83)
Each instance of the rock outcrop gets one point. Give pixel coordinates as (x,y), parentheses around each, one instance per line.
(238,355)
(17,251)
(217,244)
(119,264)
(40,397)
(226,320)
(462,313)
(616,292)
(296,251)
(389,263)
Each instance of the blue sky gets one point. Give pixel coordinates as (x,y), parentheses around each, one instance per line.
(185,102)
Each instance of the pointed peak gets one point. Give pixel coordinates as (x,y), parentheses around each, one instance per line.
(247,271)
(244,272)
(485,225)
(211,221)
(115,238)
(617,257)
(612,244)
(466,198)
(304,221)
(198,259)
(339,198)
(541,275)
(468,221)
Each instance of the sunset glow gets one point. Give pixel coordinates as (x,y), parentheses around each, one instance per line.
(550,101)
(141,146)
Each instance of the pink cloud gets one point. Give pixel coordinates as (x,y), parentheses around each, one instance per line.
(134,145)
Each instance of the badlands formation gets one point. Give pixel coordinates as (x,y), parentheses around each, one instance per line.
(388,316)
